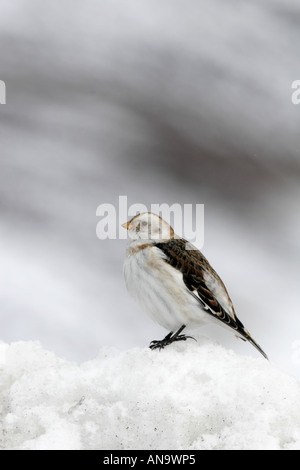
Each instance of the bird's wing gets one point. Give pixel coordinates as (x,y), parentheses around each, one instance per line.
(204,284)
(200,279)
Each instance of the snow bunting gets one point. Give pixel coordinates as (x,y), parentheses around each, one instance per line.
(176,286)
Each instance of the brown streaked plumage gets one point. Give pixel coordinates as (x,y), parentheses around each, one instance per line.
(193,265)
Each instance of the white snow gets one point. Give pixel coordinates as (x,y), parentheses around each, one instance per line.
(188,396)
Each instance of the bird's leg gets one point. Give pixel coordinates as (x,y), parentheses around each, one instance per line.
(178,337)
(169,339)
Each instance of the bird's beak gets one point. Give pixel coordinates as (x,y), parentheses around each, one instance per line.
(126,225)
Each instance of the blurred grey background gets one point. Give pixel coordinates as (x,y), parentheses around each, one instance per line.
(162,101)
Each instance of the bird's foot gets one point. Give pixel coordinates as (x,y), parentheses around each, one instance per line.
(183,338)
(161,344)
(169,339)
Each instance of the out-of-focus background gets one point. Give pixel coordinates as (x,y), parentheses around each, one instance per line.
(162,101)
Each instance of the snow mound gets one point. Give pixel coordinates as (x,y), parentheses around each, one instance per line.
(188,396)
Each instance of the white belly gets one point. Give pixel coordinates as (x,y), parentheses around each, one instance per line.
(160,292)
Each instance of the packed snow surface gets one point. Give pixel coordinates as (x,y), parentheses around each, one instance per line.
(188,396)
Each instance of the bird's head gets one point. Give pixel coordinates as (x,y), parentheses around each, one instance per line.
(148,226)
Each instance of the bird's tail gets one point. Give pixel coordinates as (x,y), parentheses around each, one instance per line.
(245,335)
(257,346)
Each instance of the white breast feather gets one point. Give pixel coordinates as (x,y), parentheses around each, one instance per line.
(159,289)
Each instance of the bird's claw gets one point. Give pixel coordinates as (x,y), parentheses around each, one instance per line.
(184,338)
(161,344)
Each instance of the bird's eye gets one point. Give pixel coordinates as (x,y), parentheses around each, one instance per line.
(144,223)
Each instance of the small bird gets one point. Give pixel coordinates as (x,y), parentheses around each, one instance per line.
(174,283)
